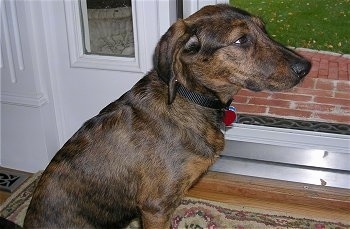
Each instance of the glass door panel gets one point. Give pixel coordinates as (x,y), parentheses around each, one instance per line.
(108,27)
(319,31)
(302,134)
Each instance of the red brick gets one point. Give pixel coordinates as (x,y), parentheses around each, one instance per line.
(342,95)
(291,97)
(334,57)
(251,109)
(332,101)
(240,99)
(315,58)
(334,118)
(343,75)
(315,64)
(307,83)
(343,65)
(313,73)
(333,70)
(324,84)
(289,112)
(333,64)
(324,64)
(270,102)
(245,92)
(313,92)
(323,73)
(343,86)
(314,107)
(325,56)
(333,75)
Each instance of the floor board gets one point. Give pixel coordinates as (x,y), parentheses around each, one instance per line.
(310,201)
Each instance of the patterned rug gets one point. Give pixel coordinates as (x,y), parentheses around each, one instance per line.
(192,213)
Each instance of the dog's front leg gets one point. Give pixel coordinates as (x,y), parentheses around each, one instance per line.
(155,221)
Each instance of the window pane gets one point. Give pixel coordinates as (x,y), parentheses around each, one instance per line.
(322,101)
(108,27)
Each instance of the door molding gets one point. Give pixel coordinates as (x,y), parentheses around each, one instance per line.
(191,6)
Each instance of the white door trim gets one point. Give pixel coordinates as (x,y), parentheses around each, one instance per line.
(289,138)
(191,6)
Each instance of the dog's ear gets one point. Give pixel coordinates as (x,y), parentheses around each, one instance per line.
(166,56)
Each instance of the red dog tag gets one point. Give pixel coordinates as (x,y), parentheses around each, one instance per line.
(230,116)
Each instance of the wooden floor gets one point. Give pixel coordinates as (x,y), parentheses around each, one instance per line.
(4,196)
(303,200)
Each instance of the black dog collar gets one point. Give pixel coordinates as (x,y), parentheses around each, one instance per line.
(200,99)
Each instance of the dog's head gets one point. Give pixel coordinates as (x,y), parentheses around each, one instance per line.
(220,49)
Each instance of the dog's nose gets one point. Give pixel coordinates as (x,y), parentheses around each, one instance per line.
(301,68)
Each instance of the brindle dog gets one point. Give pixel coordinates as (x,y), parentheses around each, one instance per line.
(141,153)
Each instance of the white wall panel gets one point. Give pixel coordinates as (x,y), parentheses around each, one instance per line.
(28,123)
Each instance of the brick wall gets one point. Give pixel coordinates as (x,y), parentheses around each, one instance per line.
(323,96)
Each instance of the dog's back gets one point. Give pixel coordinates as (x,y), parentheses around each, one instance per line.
(117,160)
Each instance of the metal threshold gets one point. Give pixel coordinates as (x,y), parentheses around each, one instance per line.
(294,164)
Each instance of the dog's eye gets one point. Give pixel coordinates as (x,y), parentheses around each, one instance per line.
(241,40)
(192,45)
